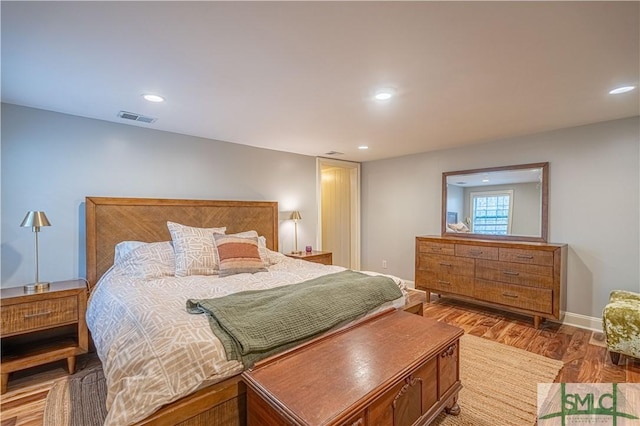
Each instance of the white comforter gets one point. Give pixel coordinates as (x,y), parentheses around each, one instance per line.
(154,352)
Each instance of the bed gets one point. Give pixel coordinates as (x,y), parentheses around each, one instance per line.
(192,383)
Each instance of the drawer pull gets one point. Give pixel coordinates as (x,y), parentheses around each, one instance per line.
(475,253)
(444,282)
(39,314)
(436,248)
(514,296)
(444,264)
(511,273)
(521,256)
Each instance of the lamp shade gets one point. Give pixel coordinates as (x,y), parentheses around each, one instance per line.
(295,215)
(35,219)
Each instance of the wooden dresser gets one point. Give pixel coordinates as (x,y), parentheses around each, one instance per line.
(394,369)
(528,278)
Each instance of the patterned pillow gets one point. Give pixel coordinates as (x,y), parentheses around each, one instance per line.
(238,255)
(195,250)
(149,260)
(262,244)
(123,248)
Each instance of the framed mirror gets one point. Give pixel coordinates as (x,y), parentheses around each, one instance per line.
(498,203)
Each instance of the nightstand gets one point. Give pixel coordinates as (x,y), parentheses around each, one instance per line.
(39,328)
(323,257)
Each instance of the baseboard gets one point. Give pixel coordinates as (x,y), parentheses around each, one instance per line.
(583,321)
(410,284)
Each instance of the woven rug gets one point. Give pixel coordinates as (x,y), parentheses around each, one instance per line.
(500,388)
(77,401)
(500,384)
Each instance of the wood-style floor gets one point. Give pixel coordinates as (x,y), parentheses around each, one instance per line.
(23,404)
(584,362)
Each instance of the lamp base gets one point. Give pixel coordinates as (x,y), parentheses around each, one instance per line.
(36,288)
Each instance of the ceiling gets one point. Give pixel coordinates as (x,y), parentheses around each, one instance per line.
(299,76)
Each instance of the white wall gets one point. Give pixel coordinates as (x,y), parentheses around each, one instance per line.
(593,203)
(52,161)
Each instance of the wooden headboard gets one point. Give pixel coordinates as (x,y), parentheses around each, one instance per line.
(112,220)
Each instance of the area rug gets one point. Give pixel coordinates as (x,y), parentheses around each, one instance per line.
(499,388)
(77,401)
(500,384)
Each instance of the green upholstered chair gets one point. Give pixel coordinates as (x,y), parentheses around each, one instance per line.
(621,323)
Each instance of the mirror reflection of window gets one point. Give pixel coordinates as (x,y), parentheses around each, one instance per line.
(491,212)
(526,218)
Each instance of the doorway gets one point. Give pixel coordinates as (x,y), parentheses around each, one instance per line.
(339,210)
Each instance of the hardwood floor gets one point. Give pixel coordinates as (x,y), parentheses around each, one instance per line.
(585,357)
(23,404)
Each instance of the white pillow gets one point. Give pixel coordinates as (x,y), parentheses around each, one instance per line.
(123,248)
(148,260)
(195,249)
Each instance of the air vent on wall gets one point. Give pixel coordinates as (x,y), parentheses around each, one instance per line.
(334,153)
(136,117)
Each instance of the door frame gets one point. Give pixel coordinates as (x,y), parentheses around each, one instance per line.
(354,168)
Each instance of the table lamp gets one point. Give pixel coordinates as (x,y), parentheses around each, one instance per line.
(35,220)
(295,216)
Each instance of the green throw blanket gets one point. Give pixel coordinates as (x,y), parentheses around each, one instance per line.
(253,325)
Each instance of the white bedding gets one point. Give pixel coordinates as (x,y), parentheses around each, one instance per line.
(154,352)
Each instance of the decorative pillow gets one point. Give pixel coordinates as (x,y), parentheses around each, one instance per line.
(123,248)
(149,260)
(195,249)
(238,255)
(262,244)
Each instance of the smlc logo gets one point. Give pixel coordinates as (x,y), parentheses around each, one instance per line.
(588,403)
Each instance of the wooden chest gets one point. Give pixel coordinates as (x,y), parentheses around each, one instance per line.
(395,369)
(519,276)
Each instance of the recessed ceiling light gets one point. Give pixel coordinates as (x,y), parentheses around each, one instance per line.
(153,98)
(384,94)
(623,89)
(363,147)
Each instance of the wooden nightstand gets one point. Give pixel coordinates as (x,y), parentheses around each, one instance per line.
(323,257)
(39,328)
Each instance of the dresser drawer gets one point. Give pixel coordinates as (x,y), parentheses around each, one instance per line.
(39,315)
(436,248)
(448,283)
(446,264)
(533,257)
(515,273)
(477,252)
(531,298)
